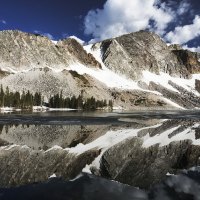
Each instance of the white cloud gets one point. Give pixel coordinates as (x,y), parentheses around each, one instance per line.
(183,34)
(194,49)
(123,16)
(45,34)
(183,7)
(3,22)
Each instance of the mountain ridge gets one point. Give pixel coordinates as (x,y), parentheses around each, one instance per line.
(134,70)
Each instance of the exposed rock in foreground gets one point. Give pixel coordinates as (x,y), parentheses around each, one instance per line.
(185,186)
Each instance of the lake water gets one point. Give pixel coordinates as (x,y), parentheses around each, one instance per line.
(135,148)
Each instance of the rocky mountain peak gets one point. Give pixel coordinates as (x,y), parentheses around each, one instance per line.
(75,48)
(133,53)
(24,51)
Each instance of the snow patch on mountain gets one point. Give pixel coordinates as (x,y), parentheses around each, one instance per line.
(106,76)
(54,41)
(164,78)
(77,39)
(173,104)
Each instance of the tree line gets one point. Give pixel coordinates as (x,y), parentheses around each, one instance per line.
(26,100)
(57,101)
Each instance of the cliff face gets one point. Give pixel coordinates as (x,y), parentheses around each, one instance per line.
(189,59)
(133,53)
(76,49)
(20,50)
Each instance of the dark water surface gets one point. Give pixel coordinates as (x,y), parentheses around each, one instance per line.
(79,118)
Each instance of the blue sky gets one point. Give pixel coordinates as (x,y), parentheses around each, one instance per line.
(176,21)
(56,17)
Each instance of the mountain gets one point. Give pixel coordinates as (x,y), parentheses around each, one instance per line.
(133,53)
(136,70)
(24,51)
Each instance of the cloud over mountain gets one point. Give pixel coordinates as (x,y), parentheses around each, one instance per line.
(123,16)
(183,34)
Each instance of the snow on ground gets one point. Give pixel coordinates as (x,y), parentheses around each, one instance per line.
(61,109)
(39,108)
(106,76)
(8,109)
(44,108)
(161,79)
(164,78)
(173,104)
(54,41)
(56,147)
(8,69)
(9,147)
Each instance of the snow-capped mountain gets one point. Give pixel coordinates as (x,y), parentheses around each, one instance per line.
(134,70)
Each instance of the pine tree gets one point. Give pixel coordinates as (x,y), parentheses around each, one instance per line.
(22,101)
(80,102)
(73,103)
(7,97)
(37,99)
(2,97)
(110,104)
(16,100)
(61,101)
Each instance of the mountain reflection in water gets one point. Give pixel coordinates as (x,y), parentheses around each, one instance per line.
(138,149)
